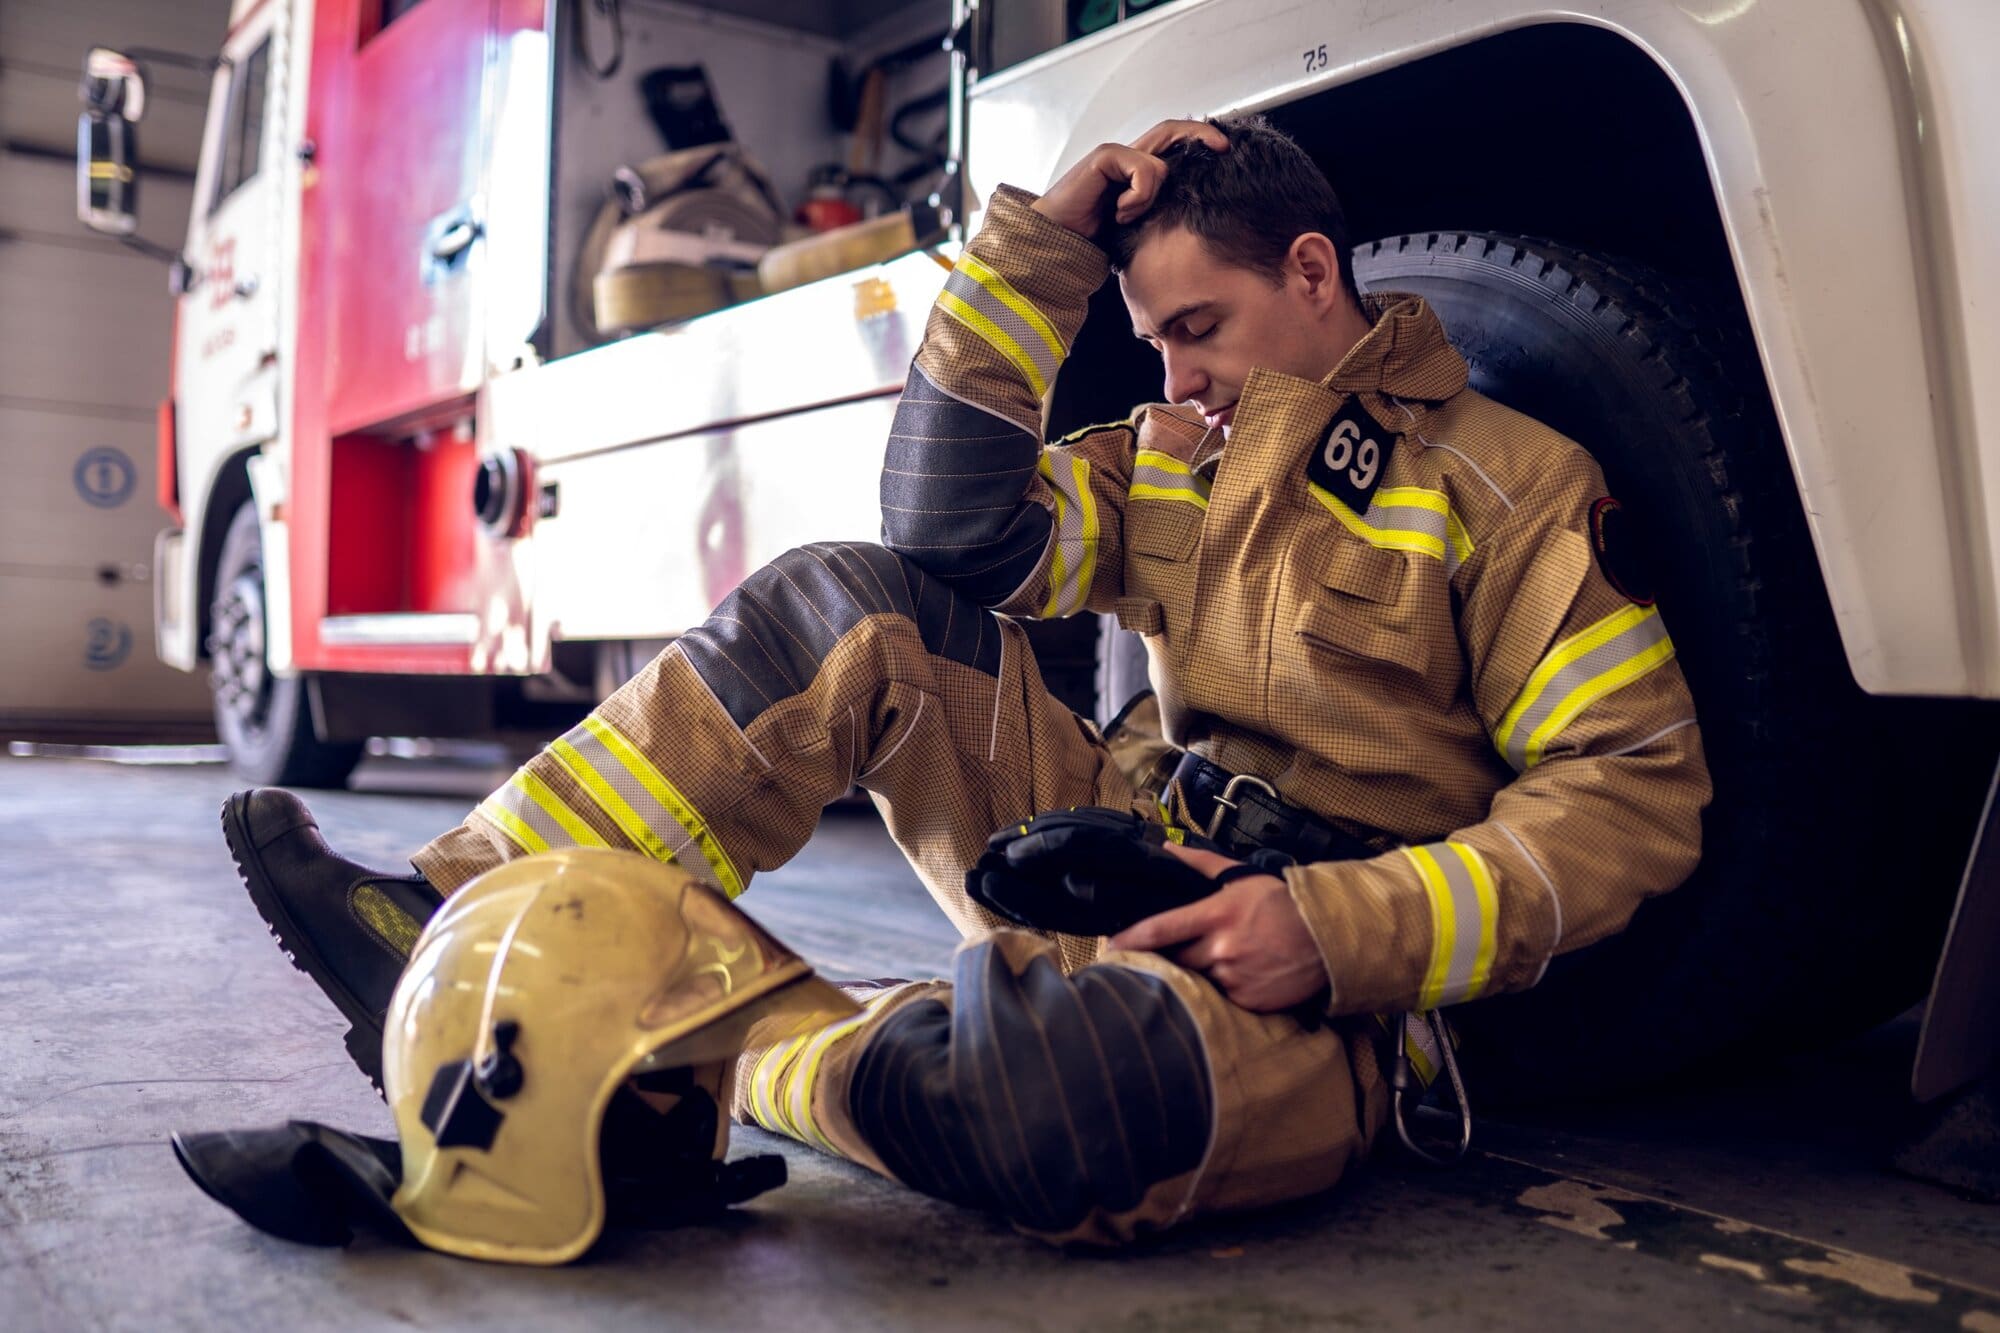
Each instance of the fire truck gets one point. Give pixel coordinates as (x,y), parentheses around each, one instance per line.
(1731,246)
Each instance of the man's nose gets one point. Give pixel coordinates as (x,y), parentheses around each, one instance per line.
(1185,380)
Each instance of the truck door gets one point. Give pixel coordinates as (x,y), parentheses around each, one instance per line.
(404,116)
(422,260)
(226,330)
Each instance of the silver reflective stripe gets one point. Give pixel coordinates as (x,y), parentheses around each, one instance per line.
(1145,474)
(1420,1043)
(1066,571)
(519,804)
(658,830)
(1586,679)
(1405,518)
(1466,932)
(1026,340)
(1417,518)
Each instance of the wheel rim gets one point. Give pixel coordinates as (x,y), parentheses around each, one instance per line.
(241,682)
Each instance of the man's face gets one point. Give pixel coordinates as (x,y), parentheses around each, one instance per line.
(1212,321)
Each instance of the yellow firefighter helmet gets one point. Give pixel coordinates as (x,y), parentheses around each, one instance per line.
(533,995)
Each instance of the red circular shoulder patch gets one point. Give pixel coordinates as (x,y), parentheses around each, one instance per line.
(1617,552)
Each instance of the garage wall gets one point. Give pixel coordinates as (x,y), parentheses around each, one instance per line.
(85,330)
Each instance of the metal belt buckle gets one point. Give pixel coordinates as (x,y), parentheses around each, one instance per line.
(1224,805)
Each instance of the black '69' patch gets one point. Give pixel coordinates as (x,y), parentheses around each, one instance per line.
(1352,456)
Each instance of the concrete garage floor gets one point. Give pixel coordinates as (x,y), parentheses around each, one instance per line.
(141,995)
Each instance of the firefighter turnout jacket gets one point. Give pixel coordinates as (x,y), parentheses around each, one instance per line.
(1397,601)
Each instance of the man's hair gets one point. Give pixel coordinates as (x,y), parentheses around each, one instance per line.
(1246,205)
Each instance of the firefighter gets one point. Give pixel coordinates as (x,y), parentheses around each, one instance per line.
(1395,636)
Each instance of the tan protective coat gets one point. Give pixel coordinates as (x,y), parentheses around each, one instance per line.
(1449,675)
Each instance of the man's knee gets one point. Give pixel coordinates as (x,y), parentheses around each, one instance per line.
(768,639)
(1040,1096)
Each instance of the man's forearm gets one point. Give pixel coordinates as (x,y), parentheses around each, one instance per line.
(961,494)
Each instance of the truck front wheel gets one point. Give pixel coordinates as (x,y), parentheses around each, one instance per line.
(262,718)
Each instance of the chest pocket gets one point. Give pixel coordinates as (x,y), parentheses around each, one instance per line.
(1163,529)
(1368,603)
(1160,540)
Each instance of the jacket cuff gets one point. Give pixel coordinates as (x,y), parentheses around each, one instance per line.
(1046,262)
(1371,920)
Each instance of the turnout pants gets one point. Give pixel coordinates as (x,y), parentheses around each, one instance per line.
(1084,1093)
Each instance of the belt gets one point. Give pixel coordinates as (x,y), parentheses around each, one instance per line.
(1242,813)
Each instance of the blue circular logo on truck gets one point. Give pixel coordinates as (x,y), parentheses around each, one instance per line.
(105,477)
(107,645)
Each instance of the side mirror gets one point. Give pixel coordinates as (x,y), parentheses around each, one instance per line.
(107,183)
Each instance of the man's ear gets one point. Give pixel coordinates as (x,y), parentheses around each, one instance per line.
(1314,259)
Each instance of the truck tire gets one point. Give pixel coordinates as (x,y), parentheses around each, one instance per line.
(1827,874)
(263,719)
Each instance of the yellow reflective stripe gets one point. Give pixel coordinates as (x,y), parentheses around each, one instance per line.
(1418,1043)
(1388,539)
(1435,530)
(1603,658)
(1058,571)
(1489,919)
(1465,921)
(1164,462)
(1161,476)
(1411,497)
(1415,497)
(766,1102)
(580,833)
(1080,470)
(1564,653)
(1145,491)
(512,825)
(798,1097)
(784,1077)
(1076,526)
(828,1038)
(995,337)
(630,803)
(1004,292)
(669,796)
(1588,693)
(761,1077)
(1443,924)
(608,800)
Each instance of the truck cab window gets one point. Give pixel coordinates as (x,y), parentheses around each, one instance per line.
(243,125)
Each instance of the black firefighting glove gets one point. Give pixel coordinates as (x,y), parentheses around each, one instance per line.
(1092,871)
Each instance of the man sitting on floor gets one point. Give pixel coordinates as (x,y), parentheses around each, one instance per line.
(1376,627)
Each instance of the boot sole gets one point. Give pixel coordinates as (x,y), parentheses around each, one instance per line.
(364,1036)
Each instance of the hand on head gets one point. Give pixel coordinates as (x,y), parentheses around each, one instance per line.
(1120,181)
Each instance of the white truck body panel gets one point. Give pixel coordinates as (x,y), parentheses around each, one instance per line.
(686,458)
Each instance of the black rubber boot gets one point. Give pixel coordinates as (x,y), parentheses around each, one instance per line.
(349,928)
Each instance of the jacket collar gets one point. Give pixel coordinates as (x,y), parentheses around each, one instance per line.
(1404,355)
